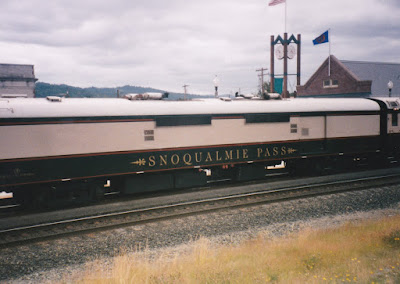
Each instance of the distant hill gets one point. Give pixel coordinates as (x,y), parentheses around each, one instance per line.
(44,89)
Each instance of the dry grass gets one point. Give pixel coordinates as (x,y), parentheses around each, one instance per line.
(363,253)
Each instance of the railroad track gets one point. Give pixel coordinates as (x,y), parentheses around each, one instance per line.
(19,235)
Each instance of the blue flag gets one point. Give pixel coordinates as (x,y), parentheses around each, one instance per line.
(322,38)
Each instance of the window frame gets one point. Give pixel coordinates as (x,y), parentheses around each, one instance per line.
(331,83)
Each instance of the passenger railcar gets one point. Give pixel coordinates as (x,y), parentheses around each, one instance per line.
(77,146)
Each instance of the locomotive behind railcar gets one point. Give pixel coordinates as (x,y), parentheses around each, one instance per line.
(74,147)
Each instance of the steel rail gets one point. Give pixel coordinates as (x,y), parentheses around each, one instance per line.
(289,189)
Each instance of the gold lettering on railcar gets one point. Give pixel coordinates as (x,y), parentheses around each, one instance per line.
(152,161)
(228,155)
(274,151)
(196,158)
(245,153)
(163,160)
(140,162)
(175,159)
(217,157)
(187,159)
(17,173)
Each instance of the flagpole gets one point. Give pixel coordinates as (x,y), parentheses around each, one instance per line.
(285,14)
(329,70)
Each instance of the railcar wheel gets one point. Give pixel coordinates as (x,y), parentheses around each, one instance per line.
(319,166)
(21,197)
(310,166)
(250,172)
(96,192)
(33,198)
(299,167)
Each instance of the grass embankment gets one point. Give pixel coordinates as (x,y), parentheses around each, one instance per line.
(363,253)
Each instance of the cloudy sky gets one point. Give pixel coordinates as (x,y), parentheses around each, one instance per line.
(166,44)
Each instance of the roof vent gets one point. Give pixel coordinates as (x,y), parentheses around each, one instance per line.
(54,98)
(9,96)
(147,96)
(225,99)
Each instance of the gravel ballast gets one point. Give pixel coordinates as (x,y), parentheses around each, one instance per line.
(56,260)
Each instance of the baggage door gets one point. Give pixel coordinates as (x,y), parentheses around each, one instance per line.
(311,133)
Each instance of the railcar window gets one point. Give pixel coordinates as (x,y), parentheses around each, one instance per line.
(179,120)
(149,135)
(395,119)
(293,128)
(267,117)
(304,131)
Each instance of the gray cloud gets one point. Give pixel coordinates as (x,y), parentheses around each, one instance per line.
(166,44)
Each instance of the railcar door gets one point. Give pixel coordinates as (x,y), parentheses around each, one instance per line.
(310,132)
(394,132)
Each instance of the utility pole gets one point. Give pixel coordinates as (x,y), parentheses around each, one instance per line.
(216,83)
(185,90)
(262,78)
(298,58)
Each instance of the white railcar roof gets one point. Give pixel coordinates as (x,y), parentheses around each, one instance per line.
(89,107)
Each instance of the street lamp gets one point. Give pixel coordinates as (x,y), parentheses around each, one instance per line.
(390,87)
(216,83)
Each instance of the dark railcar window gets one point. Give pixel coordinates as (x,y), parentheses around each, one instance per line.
(395,119)
(269,117)
(179,120)
(293,128)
